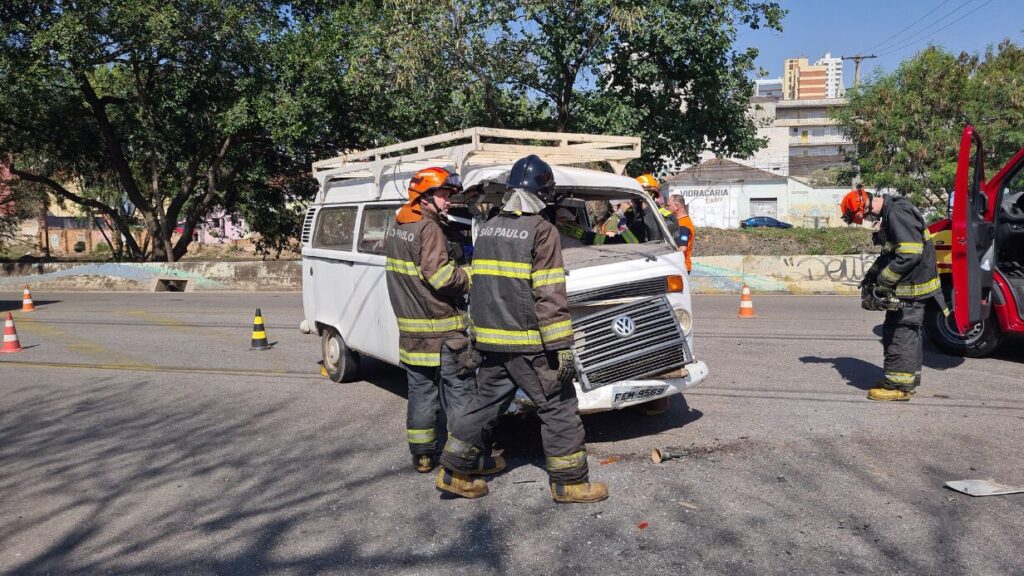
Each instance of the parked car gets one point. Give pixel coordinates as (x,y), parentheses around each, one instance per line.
(345,297)
(764,222)
(980,252)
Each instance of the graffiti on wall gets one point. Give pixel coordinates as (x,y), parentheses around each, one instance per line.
(845,269)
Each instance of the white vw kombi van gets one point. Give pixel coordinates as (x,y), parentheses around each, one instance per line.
(630,303)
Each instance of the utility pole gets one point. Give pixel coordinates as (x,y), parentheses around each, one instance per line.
(856,66)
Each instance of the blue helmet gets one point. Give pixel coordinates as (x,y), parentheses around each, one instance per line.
(531,174)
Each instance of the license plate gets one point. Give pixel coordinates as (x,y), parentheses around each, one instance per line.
(623,394)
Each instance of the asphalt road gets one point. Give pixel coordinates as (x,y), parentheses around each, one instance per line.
(139,435)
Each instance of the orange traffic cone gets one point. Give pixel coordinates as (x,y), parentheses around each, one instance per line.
(746,304)
(259,333)
(11,343)
(26,301)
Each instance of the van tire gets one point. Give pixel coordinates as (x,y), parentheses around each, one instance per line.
(340,362)
(979,342)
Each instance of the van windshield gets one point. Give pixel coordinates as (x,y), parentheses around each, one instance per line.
(599,226)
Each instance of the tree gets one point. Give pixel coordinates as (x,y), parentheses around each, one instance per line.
(666,70)
(906,125)
(178,106)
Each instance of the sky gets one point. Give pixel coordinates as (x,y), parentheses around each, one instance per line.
(892,29)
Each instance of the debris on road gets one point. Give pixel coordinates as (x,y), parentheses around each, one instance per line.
(983,487)
(688,505)
(609,460)
(659,455)
(643,525)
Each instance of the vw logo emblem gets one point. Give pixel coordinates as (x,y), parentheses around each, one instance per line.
(624,326)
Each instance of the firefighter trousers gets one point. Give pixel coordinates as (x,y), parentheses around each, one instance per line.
(436,394)
(561,428)
(901,341)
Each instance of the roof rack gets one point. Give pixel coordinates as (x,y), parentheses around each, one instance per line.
(483,146)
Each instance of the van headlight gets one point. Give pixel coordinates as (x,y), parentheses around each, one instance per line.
(685,320)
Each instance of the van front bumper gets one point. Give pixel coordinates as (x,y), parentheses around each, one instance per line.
(626,393)
(632,392)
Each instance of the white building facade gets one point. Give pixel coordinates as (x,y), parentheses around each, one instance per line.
(834,87)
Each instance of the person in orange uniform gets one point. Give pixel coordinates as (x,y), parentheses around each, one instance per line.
(685,236)
(854,204)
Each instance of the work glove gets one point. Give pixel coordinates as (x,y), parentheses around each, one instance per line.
(566,366)
(867,297)
(571,231)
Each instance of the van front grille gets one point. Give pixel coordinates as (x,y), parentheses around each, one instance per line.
(655,346)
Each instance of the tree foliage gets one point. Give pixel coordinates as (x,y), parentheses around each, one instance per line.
(157,112)
(906,125)
(665,70)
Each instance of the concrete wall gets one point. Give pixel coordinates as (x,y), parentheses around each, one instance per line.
(203,276)
(711,275)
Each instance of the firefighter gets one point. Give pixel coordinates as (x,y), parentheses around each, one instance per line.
(522,328)
(901,281)
(650,228)
(854,204)
(427,291)
(573,235)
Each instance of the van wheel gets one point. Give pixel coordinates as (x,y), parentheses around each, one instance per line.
(980,341)
(341,363)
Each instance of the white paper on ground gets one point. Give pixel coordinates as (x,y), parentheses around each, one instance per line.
(983,487)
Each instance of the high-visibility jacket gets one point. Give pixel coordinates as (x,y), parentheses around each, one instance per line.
(426,289)
(907,261)
(685,240)
(519,301)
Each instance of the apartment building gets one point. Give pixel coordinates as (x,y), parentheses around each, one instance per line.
(815,140)
(802,80)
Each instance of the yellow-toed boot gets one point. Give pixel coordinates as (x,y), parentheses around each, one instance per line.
(888,395)
(460,484)
(583,493)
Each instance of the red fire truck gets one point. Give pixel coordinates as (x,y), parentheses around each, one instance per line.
(980,251)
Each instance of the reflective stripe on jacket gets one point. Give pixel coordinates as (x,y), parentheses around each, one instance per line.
(519,300)
(426,289)
(907,260)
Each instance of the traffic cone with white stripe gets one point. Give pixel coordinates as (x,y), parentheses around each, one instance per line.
(259,333)
(26,301)
(746,304)
(11,343)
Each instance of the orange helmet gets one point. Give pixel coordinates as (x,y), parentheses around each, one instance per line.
(429,179)
(649,183)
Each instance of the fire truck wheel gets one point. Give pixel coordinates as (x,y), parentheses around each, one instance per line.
(980,340)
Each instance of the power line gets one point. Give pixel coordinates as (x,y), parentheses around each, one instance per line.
(912,24)
(912,43)
(926,30)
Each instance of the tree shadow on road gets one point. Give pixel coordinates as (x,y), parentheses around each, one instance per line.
(858,373)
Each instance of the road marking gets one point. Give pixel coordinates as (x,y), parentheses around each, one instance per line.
(169,369)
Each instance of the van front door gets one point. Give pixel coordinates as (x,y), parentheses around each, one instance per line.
(973,235)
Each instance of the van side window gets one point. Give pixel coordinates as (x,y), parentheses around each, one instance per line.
(377,220)
(335,228)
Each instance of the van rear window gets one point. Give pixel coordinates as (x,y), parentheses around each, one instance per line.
(335,228)
(377,220)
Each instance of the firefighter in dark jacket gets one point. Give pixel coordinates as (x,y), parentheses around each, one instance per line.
(901,281)
(427,291)
(522,328)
